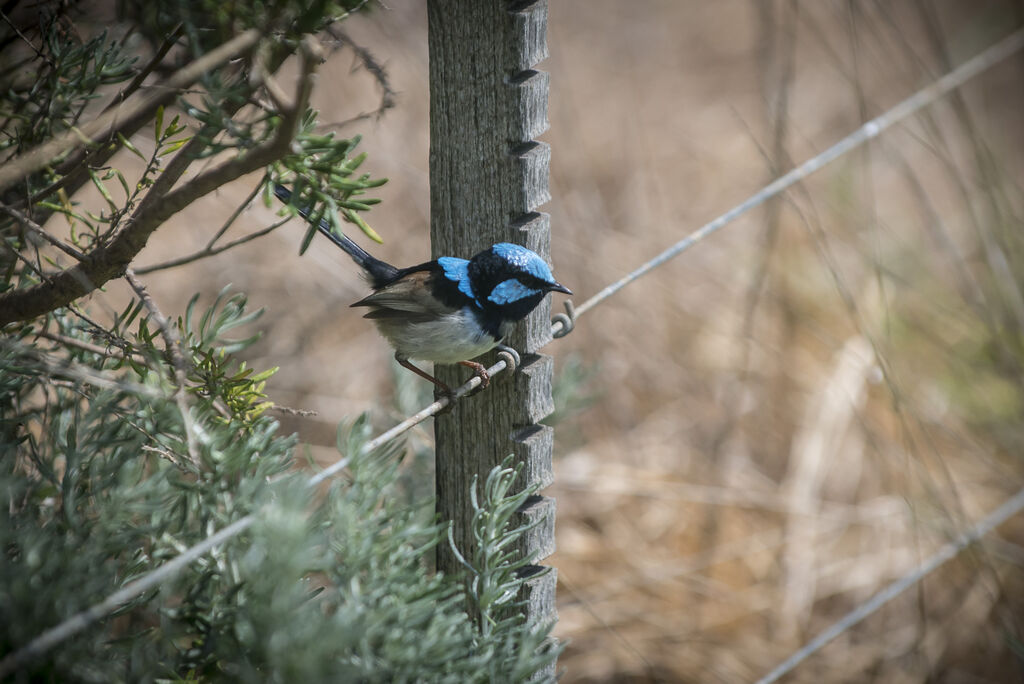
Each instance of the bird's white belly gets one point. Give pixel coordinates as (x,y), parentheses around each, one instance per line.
(451,338)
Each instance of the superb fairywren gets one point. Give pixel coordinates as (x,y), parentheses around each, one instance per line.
(448,310)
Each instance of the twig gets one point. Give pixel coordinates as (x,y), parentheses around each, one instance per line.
(289,411)
(38,230)
(176,351)
(82,374)
(21,257)
(208,252)
(152,64)
(39,53)
(375,69)
(83,345)
(168,456)
(237,212)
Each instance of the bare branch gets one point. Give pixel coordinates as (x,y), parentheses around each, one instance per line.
(82,344)
(111,259)
(152,64)
(21,257)
(39,53)
(141,105)
(79,373)
(211,251)
(375,69)
(237,212)
(38,230)
(176,350)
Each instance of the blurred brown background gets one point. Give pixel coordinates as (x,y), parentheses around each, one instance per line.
(764,432)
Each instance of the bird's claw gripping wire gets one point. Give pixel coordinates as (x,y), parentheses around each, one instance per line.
(507,354)
(567,319)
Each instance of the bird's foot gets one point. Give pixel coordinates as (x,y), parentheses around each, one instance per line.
(479,371)
(444,393)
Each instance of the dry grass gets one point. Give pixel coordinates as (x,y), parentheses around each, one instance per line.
(787,417)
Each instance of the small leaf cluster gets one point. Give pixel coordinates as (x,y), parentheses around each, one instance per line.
(89,228)
(52,97)
(497,574)
(208,23)
(370,610)
(214,373)
(322,176)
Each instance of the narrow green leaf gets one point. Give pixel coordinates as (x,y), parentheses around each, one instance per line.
(159,121)
(354,205)
(175,145)
(363,225)
(174,127)
(130,147)
(353,163)
(124,183)
(103,190)
(306,239)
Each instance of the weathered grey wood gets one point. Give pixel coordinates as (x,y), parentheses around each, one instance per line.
(540,539)
(532,446)
(530,28)
(488,176)
(542,589)
(529,115)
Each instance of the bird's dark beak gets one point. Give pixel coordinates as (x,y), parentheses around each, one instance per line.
(559,288)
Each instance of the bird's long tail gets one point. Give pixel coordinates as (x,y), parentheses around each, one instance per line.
(379,272)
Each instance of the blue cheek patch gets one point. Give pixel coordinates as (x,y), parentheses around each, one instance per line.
(510,291)
(525,260)
(457,271)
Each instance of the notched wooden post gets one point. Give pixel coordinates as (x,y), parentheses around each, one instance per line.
(488,177)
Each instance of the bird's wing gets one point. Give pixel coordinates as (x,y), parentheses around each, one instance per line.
(408,297)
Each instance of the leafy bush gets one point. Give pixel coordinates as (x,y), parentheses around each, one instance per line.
(101,485)
(127,438)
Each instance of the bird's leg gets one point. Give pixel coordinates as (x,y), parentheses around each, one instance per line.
(404,362)
(479,370)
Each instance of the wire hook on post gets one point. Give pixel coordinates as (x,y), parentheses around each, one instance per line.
(510,356)
(563,323)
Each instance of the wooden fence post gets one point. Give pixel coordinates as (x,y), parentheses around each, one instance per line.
(487,177)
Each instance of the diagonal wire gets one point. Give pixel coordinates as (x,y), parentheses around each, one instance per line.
(1007,510)
(562,325)
(79,621)
(922,98)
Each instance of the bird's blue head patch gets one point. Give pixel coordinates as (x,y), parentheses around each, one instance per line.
(525,260)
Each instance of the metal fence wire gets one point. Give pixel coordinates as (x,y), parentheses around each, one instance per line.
(562,324)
